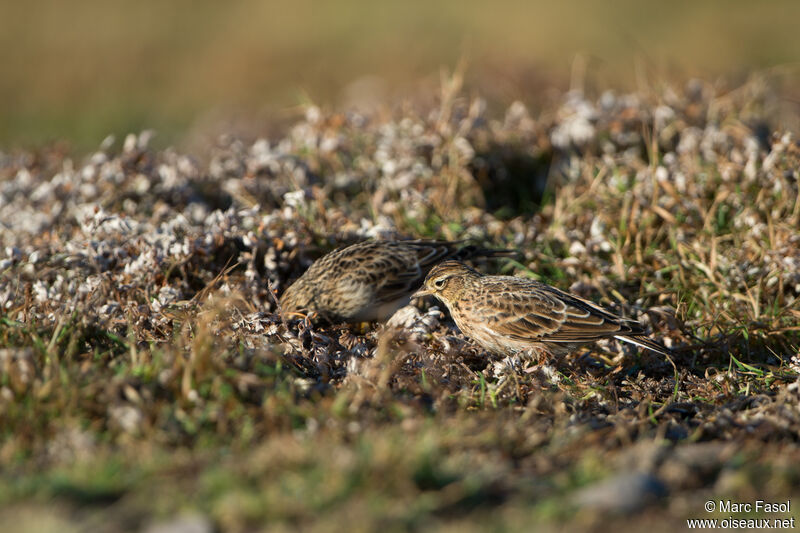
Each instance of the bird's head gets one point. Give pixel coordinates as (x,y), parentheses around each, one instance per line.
(448,281)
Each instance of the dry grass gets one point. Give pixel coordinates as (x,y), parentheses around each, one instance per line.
(144,371)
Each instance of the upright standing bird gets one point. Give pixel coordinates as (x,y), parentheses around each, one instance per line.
(507,314)
(371,280)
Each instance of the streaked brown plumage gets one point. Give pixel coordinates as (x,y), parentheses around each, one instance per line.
(506,314)
(370,280)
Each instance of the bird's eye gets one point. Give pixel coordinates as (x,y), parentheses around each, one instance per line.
(439,283)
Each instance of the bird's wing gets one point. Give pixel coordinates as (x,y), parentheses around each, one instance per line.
(408,265)
(538,312)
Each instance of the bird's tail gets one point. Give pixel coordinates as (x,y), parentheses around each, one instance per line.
(644,342)
(471,251)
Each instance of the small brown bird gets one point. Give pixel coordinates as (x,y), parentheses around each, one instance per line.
(371,280)
(507,314)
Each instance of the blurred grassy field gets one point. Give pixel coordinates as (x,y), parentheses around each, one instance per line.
(81,70)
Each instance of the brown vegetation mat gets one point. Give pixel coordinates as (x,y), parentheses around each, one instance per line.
(144,372)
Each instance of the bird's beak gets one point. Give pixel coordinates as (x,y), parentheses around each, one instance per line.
(420,293)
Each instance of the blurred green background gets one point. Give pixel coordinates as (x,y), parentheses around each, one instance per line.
(81,70)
